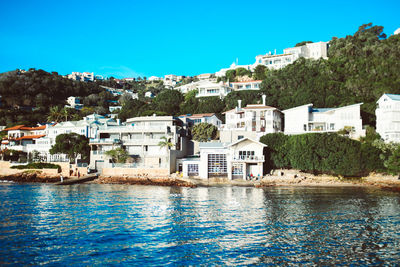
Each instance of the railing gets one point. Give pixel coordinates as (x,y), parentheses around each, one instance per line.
(97,152)
(105,140)
(248,158)
(138,165)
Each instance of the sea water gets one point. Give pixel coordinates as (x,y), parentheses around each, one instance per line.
(92,224)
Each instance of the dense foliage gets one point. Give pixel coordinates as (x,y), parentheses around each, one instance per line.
(327,153)
(72,144)
(204,132)
(38,165)
(360,68)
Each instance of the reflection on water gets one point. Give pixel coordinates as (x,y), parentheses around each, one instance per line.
(111,224)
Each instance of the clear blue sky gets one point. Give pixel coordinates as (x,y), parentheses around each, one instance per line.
(145,38)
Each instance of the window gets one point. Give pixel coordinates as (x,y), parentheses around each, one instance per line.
(217,164)
(146,148)
(193,169)
(248,86)
(332,126)
(305,127)
(240,137)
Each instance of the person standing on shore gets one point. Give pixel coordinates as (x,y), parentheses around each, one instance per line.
(61,178)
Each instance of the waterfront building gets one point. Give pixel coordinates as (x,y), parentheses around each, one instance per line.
(252,121)
(140,137)
(74,102)
(238,160)
(19,136)
(388,117)
(193,119)
(307,119)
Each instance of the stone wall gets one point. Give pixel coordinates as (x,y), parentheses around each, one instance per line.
(134,172)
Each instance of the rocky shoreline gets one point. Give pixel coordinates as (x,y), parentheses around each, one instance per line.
(291,178)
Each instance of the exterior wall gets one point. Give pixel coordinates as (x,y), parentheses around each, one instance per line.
(231,136)
(295,119)
(388,119)
(156,172)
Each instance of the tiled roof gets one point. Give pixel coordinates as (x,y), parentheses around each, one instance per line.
(30,137)
(22,127)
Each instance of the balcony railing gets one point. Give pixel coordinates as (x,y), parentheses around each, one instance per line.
(248,158)
(104,141)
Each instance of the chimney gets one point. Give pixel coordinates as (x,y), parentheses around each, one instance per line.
(239,104)
(264,97)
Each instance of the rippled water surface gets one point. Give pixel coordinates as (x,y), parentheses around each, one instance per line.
(113,224)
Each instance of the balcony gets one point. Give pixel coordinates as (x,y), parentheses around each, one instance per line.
(248,158)
(101,141)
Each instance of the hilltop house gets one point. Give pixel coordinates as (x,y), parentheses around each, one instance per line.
(74,102)
(252,121)
(193,119)
(307,119)
(388,117)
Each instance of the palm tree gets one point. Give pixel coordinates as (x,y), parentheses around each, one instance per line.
(165,143)
(54,114)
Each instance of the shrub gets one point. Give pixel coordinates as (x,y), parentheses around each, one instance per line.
(38,165)
(276,150)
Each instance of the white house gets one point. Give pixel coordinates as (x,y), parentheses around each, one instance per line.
(84,76)
(233,66)
(307,119)
(239,160)
(74,102)
(246,85)
(252,121)
(140,137)
(206,88)
(20,136)
(193,119)
(87,127)
(388,117)
(154,78)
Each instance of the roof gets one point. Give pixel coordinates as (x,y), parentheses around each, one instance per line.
(271,56)
(244,139)
(197,115)
(257,106)
(24,128)
(248,81)
(212,145)
(30,137)
(394,97)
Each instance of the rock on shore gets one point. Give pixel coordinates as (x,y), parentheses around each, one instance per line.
(30,177)
(162,181)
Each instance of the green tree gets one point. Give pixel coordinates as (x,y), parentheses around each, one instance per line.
(55,114)
(168,101)
(167,144)
(277,149)
(303,43)
(117,155)
(393,162)
(72,144)
(204,132)
(260,72)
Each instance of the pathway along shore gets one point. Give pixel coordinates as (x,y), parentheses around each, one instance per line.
(391,183)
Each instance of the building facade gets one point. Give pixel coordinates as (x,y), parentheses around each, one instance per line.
(388,117)
(140,137)
(307,119)
(252,121)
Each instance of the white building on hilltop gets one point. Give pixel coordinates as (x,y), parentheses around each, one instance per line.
(309,50)
(246,85)
(193,119)
(252,121)
(82,76)
(307,119)
(206,88)
(388,117)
